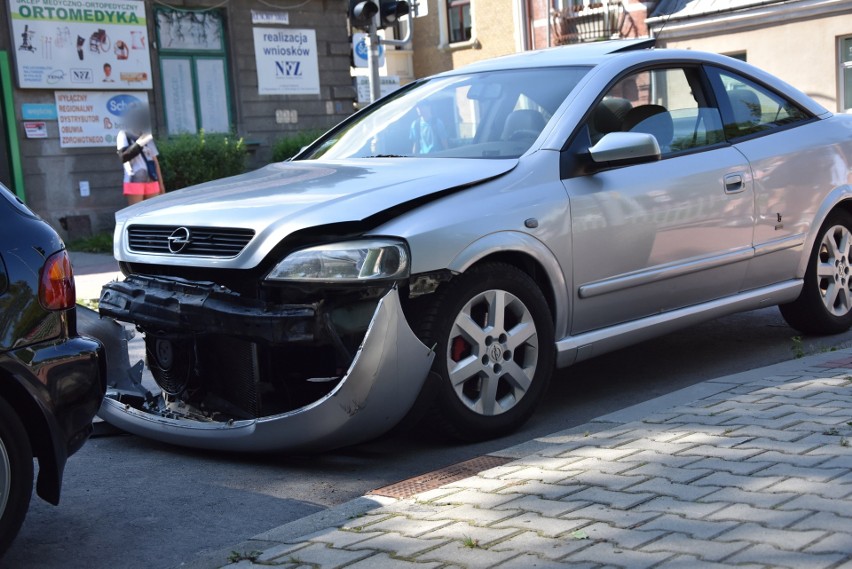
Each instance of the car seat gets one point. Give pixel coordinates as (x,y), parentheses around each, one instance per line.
(651,119)
(523,121)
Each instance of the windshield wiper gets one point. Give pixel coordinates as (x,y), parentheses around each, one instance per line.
(387,156)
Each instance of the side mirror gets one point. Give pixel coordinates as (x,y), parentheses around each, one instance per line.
(621,148)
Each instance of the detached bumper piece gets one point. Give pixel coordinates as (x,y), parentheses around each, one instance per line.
(239,375)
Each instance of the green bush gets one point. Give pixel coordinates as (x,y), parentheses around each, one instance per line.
(100,243)
(291,144)
(189,159)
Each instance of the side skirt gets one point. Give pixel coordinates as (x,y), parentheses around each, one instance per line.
(573,349)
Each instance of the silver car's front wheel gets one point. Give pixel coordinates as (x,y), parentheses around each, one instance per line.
(825,303)
(493,334)
(492,354)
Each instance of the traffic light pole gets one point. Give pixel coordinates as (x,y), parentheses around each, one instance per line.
(373,61)
(373,42)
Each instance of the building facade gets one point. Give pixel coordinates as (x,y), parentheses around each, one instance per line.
(808,43)
(68,70)
(454,33)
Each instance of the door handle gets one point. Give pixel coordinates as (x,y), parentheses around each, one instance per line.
(734,183)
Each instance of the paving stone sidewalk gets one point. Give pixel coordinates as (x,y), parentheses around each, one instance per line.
(754,471)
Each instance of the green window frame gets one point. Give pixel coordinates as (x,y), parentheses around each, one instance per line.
(194,74)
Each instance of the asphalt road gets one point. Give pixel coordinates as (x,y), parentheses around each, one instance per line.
(133,503)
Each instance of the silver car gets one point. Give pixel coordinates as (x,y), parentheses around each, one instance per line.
(440,252)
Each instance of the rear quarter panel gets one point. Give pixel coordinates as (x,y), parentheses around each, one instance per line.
(800,174)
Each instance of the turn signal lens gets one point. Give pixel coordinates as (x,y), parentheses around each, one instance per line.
(56,284)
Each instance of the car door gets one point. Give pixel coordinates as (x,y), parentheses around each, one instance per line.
(658,235)
(793,166)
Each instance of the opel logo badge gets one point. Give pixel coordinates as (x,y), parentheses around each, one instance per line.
(179,240)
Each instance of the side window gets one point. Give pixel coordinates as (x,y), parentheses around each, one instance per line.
(751,108)
(667,103)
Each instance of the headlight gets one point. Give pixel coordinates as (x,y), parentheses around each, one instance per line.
(348,261)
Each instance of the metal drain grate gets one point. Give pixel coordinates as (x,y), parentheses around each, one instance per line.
(846,362)
(436,478)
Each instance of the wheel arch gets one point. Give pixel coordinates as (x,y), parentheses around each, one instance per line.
(838,198)
(529,255)
(36,423)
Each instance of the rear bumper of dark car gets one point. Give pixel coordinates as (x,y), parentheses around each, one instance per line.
(66,379)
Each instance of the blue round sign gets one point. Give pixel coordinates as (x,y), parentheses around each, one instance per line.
(120,104)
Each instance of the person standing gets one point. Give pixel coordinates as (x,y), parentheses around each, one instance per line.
(142,176)
(427,133)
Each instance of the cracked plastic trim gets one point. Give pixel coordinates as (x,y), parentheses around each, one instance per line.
(379,388)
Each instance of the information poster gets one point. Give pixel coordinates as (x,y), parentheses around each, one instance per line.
(287,62)
(89,118)
(77,44)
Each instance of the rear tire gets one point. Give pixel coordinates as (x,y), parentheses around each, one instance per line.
(494,351)
(825,303)
(16,475)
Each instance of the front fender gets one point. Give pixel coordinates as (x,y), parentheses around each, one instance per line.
(525,244)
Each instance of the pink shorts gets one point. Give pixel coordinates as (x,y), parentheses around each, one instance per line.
(141,188)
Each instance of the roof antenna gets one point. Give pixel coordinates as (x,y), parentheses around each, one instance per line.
(666,21)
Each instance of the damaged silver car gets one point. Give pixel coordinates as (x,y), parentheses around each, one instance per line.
(444,249)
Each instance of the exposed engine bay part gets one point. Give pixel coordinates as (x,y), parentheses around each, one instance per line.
(375,391)
(427,283)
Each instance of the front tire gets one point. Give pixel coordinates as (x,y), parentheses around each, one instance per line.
(16,475)
(494,351)
(825,303)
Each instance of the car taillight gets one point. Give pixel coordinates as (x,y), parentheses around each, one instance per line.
(56,284)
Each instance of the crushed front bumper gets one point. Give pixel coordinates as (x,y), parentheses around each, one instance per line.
(378,389)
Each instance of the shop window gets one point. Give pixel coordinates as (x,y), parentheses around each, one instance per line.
(459,20)
(194,70)
(845,74)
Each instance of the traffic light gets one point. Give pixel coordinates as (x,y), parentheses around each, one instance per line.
(361,13)
(390,12)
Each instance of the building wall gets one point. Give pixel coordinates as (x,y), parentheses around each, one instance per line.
(493,35)
(804,52)
(52,174)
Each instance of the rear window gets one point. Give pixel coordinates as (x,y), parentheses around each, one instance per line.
(6,196)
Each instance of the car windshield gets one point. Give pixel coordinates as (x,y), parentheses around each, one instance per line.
(495,114)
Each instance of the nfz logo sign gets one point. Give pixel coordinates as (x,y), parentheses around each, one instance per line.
(81,76)
(288,68)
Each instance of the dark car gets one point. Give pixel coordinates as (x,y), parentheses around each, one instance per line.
(51,379)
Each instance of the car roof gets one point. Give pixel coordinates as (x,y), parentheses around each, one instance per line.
(590,53)
(614,55)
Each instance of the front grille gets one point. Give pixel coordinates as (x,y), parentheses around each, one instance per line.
(203,241)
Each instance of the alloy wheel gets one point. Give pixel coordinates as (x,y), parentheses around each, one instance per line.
(492,352)
(834,270)
(5,477)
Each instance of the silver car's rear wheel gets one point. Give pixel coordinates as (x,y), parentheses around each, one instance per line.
(833,270)
(492,354)
(493,335)
(825,303)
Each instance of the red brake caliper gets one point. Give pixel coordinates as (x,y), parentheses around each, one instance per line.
(458,349)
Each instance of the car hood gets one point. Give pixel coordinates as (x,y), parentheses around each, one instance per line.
(285,197)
